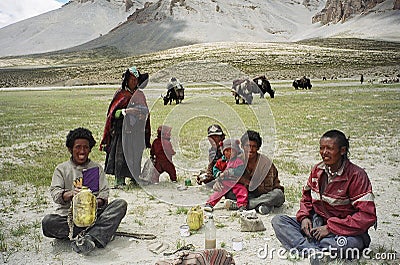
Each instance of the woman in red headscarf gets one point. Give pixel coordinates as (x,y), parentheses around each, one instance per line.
(112,141)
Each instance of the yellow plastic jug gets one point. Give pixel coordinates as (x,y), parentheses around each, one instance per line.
(84,208)
(195,218)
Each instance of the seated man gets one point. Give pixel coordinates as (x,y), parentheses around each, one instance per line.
(336,209)
(260,177)
(109,215)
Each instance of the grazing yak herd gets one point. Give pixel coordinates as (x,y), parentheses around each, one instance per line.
(242,89)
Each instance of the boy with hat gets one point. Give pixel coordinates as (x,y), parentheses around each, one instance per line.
(215,136)
(227,170)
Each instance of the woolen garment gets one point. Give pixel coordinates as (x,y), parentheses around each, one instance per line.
(120,101)
(264,179)
(115,163)
(63,178)
(162,149)
(163,166)
(238,189)
(136,137)
(347,203)
(103,231)
(232,170)
(214,153)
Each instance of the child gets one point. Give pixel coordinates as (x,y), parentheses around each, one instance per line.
(228,169)
(161,153)
(215,136)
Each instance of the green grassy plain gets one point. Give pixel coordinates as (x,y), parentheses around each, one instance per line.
(34,124)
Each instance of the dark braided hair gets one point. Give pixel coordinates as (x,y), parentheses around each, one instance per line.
(340,139)
(80,133)
(251,135)
(125,78)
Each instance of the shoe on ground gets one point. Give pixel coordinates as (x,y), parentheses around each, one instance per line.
(83,245)
(230,205)
(208,208)
(320,258)
(264,209)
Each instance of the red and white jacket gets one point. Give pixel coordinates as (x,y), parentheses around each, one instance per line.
(347,204)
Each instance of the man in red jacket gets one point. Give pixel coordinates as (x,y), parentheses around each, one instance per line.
(336,209)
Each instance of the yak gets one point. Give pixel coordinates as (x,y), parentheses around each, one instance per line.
(175,91)
(303,83)
(245,88)
(265,86)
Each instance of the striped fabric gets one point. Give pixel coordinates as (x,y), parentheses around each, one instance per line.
(204,257)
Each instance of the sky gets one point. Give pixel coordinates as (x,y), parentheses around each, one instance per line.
(12,11)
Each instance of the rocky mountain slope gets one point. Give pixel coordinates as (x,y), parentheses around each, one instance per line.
(137,27)
(340,11)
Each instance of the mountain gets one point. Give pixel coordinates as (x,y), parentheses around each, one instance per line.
(137,27)
(75,23)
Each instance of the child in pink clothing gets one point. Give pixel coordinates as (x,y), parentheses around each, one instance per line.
(228,169)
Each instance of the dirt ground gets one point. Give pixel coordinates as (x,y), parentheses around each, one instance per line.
(155,210)
(147,214)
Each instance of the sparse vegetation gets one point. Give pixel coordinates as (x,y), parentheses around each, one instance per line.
(182,210)
(332,58)
(34,123)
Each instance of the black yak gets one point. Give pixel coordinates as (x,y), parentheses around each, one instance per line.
(303,83)
(245,88)
(175,91)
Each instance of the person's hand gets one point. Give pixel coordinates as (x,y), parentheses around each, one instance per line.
(100,202)
(103,147)
(119,112)
(320,232)
(306,226)
(199,180)
(218,186)
(69,194)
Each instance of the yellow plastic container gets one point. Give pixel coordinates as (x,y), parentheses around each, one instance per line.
(84,208)
(195,218)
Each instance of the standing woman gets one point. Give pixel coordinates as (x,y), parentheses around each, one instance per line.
(111,142)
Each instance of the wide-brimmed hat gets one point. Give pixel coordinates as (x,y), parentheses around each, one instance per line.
(214,129)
